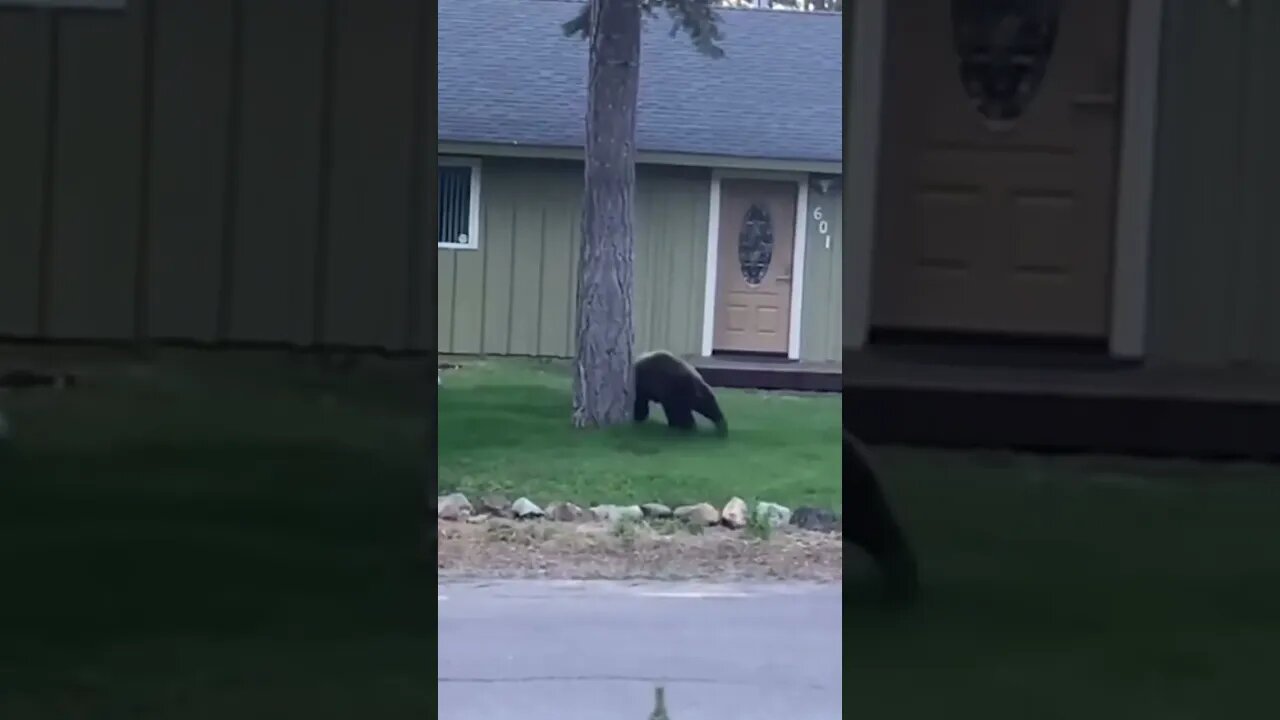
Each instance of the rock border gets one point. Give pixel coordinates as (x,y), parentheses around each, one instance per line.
(735,514)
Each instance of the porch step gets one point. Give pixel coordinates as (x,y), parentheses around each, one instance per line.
(769,374)
(1119,409)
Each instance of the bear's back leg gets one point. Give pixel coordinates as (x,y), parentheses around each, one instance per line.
(679,415)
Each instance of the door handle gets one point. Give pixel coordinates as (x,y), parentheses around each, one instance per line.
(784,278)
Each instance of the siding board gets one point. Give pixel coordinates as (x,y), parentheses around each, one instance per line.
(97,173)
(188,167)
(821,330)
(366,294)
(1260,221)
(500,236)
(24,83)
(555,326)
(1195,212)
(272,295)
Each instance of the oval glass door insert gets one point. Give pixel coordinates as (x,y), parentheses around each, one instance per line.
(1004,48)
(755,244)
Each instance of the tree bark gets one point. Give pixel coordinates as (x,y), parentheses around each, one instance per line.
(602,382)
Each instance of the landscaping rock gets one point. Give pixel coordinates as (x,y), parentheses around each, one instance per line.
(454,506)
(734,514)
(614,513)
(816,519)
(494,504)
(525,509)
(700,514)
(773,514)
(565,512)
(657,511)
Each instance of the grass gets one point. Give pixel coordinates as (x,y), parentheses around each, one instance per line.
(1072,588)
(505,427)
(192,542)
(242,542)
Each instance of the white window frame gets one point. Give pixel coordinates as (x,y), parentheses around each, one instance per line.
(473,221)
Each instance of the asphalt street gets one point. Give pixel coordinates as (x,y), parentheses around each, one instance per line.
(595,650)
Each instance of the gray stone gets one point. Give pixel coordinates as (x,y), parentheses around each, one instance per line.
(700,514)
(816,519)
(454,506)
(525,509)
(773,514)
(614,513)
(495,504)
(657,511)
(565,512)
(478,519)
(734,514)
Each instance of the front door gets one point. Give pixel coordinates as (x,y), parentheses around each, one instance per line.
(753,272)
(998,168)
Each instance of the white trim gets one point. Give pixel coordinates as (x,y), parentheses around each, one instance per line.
(541,152)
(1135,174)
(1136,180)
(713,253)
(473,214)
(713,267)
(862,150)
(797,268)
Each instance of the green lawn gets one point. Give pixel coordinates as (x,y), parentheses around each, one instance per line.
(1075,588)
(505,427)
(241,541)
(197,543)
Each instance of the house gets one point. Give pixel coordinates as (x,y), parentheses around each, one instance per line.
(220,172)
(1061,224)
(732,151)
(1094,179)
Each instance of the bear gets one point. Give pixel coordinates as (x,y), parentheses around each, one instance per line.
(664,378)
(872,526)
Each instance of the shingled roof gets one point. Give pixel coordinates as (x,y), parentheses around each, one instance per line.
(508,75)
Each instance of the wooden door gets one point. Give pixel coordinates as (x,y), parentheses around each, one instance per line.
(754,268)
(998,168)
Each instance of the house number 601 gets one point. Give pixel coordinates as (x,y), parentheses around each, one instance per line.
(823,228)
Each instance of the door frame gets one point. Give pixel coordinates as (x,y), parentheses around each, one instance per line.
(801,181)
(1131,226)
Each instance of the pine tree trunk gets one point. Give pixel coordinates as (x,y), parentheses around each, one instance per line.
(602,386)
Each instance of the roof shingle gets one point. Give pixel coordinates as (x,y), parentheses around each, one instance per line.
(509,75)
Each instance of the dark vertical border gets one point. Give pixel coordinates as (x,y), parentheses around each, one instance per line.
(324,173)
(231,173)
(846,37)
(142,251)
(52,113)
(417,186)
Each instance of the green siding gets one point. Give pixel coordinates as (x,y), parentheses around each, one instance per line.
(1214,299)
(515,294)
(192,101)
(24,133)
(821,314)
(98,131)
(672,209)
